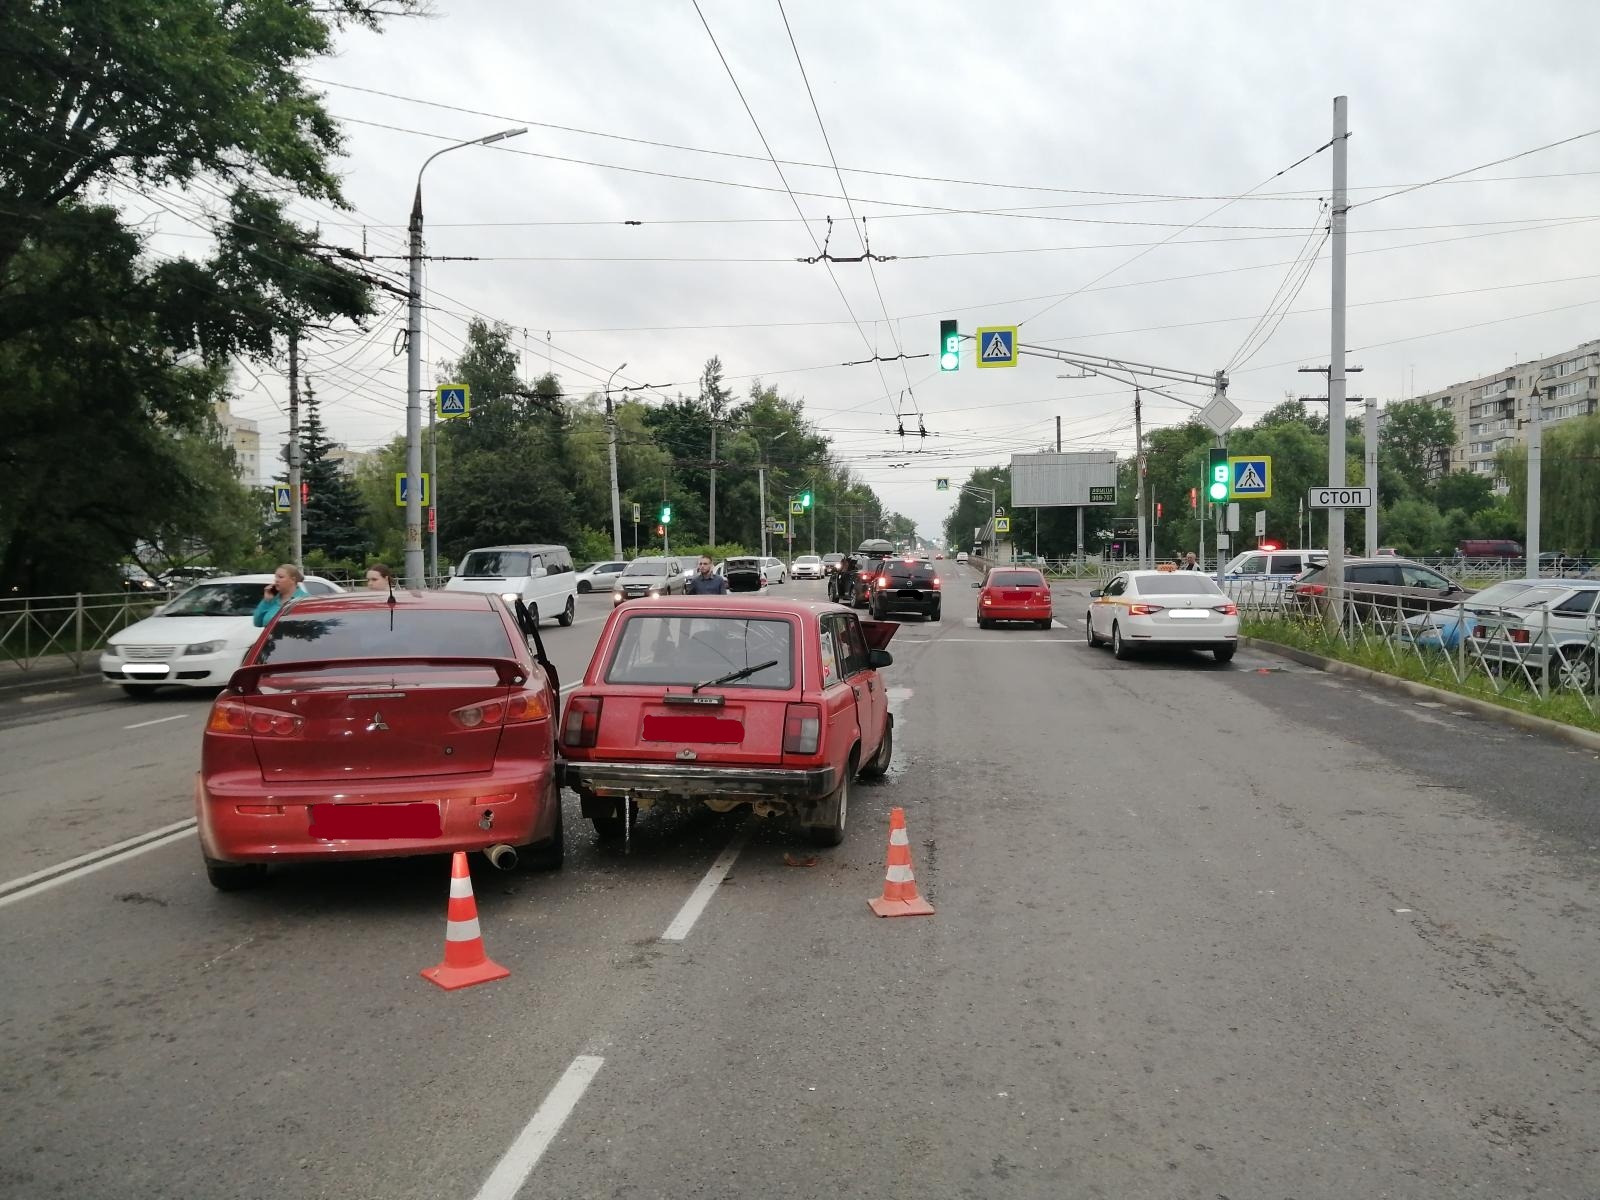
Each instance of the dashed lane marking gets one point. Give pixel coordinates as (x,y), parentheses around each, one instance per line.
(518,1162)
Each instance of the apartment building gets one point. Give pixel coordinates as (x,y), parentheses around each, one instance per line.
(244,435)
(349,461)
(1492,411)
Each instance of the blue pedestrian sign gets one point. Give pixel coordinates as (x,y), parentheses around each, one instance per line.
(402,492)
(997,346)
(1250,478)
(452,400)
(280,497)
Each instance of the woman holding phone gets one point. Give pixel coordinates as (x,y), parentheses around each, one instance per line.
(285,585)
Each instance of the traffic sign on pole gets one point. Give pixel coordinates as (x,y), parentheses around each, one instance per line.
(452,400)
(997,346)
(1250,478)
(1340,497)
(780,527)
(1002,524)
(635,514)
(280,497)
(400,489)
(797,508)
(941,485)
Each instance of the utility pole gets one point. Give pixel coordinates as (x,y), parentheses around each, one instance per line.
(1535,477)
(711,532)
(1336,376)
(1138,484)
(1058,433)
(813,509)
(296,509)
(433,492)
(1372,473)
(761,480)
(616,496)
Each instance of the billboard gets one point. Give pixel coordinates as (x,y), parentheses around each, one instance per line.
(1052,480)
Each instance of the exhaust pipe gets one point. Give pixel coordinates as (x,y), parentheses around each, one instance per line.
(502,856)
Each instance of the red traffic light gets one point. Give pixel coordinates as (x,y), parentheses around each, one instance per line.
(1194,497)
(661,530)
(305,493)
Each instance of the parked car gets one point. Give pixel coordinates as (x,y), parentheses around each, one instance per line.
(1166,608)
(197,639)
(1559,563)
(776,705)
(541,576)
(907,585)
(1559,635)
(177,578)
(807,566)
(381,725)
(1377,589)
(743,574)
(1442,629)
(830,563)
(1014,594)
(650,576)
(136,579)
(600,576)
(774,569)
(1489,548)
(962,556)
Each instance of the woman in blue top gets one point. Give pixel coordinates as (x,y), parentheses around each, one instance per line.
(285,585)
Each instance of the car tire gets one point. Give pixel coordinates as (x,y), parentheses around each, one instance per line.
(583,587)
(838,805)
(1119,647)
(533,613)
(985,623)
(550,854)
(1575,671)
(235,877)
(1224,653)
(937,614)
(135,691)
(614,827)
(879,766)
(568,613)
(1094,638)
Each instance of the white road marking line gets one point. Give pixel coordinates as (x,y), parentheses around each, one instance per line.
(158,721)
(518,1162)
(85,864)
(999,641)
(42,697)
(705,889)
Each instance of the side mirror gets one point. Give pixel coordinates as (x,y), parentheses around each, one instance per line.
(1096,594)
(879,659)
(977,585)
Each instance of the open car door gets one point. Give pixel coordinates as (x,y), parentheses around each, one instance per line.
(878,633)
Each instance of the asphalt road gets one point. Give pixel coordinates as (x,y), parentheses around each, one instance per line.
(1240,931)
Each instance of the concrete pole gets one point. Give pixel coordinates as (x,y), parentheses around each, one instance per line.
(297,517)
(1336,373)
(1138,467)
(433,492)
(761,481)
(1372,473)
(616,496)
(711,522)
(1535,476)
(414,564)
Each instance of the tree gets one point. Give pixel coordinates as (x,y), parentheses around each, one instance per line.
(1417,529)
(335,510)
(1570,471)
(1464,491)
(1420,436)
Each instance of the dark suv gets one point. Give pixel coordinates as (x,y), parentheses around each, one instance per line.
(903,585)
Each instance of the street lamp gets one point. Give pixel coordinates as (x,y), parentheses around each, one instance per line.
(414,563)
(616,498)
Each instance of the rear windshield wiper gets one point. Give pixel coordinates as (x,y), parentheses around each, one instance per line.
(731,676)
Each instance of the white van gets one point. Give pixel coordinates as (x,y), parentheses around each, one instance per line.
(540,576)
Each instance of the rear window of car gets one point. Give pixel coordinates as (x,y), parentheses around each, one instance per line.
(1176,583)
(909,573)
(664,649)
(497,564)
(378,632)
(1016,579)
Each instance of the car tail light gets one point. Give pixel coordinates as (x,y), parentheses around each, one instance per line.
(1143,610)
(509,710)
(988,599)
(1227,610)
(802,729)
(1310,589)
(582,726)
(936,581)
(230,716)
(1480,631)
(1519,636)
(883,581)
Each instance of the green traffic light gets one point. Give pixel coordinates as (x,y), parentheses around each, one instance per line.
(805,499)
(1217,475)
(949,346)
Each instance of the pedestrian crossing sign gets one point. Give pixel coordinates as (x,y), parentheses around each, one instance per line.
(997,346)
(452,400)
(402,492)
(1250,478)
(280,497)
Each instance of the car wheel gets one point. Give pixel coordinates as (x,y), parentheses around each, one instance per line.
(533,613)
(837,807)
(937,614)
(1224,653)
(985,623)
(1575,670)
(568,613)
(136,691)
(583,587)
(1044,624)
(1094,638)
(1119,647)
(549,854)
(880,761)
(235,877)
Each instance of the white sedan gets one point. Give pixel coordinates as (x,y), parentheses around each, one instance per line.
(774,569)
(807,566)
(195,640)
(1166,608)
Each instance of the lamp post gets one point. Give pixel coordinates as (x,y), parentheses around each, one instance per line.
(414,563)
(761,476)
(616,497)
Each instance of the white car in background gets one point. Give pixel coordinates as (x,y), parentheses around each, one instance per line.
(807,566)
(1165,608)
(600,576)
(774,569)
(197,639)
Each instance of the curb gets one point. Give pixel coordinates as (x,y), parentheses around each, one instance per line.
(1582,738)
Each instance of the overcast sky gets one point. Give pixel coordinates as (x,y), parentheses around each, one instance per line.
(1040,109)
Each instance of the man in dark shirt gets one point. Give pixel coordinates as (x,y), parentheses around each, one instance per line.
(704,583)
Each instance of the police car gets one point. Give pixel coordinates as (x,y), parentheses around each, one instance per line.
(1256,578)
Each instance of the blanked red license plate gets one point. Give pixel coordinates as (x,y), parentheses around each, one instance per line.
(375,821)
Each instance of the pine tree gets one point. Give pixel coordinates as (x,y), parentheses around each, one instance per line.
(334,510)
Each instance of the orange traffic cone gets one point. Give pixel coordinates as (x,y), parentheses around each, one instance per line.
(900,898)
(464,963)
